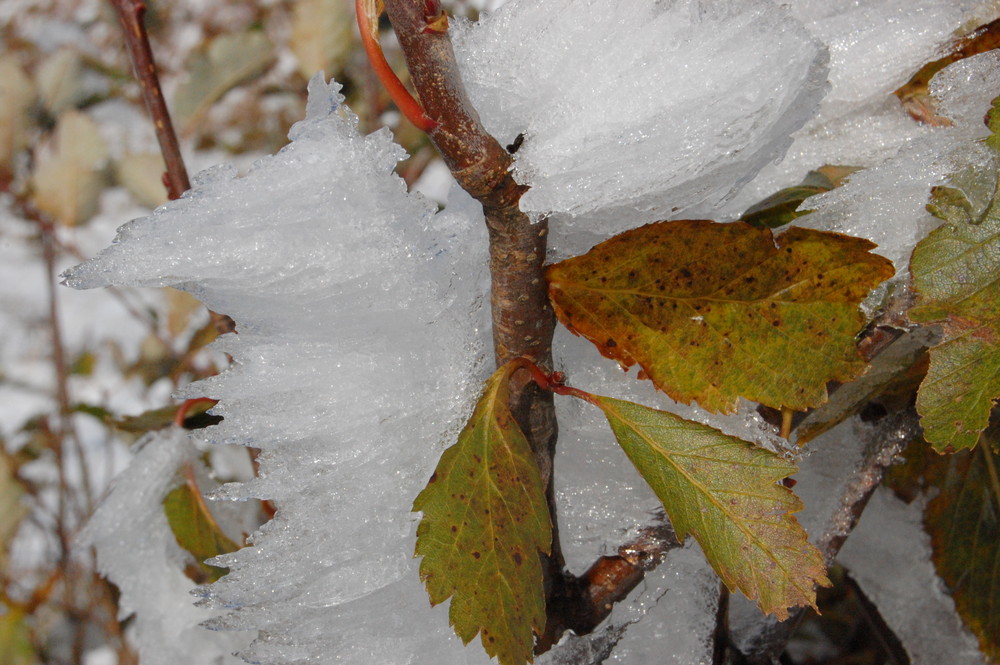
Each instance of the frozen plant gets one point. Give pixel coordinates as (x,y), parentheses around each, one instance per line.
(362,330)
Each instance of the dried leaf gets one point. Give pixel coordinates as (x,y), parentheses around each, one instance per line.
(69,175)
(956,275)
(322,35)
(727,494)
(155,419)
(227,61)
(712,312)
(142,174)
(915,95)
(485,521)
(17,94)
(197,532)
(60,84)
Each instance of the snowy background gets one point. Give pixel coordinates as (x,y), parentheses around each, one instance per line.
(359,305)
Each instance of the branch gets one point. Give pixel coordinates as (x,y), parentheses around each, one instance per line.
(523,322)
(883,444)
(131,13)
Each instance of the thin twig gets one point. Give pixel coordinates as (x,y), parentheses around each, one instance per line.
(131,14)
(883,446)
(65,432)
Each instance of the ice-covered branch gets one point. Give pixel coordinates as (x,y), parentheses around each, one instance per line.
(523,322)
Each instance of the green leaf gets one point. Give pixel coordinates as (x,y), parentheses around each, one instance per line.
(956,275)
(964,523)
(197,532)
(227,61)
(485,521)
(782,207)
(712,312)
(726,493)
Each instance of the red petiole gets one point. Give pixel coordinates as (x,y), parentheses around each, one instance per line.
(368,14)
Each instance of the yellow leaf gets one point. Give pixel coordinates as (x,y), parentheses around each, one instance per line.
(17,94)
(485,521)
(322,35)
(59,82)
(712,312)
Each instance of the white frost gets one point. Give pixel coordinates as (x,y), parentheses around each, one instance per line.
(137,551)
(890,557)
(643,110)
(360,333)
(886,204)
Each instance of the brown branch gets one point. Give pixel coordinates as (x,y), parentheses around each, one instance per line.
(523,322)
(131,13)
(523,325)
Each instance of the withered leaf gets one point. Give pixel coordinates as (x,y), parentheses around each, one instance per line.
(485,522)
(712,312)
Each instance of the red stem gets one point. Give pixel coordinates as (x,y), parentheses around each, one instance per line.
(409,106)
(553,382)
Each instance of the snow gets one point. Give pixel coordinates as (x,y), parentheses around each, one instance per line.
(886,203)
(890,539)
(354,366)
(137,551)
(639,111)
(859,122)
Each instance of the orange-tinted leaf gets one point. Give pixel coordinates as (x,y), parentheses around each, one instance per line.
(712,312)
(726,493)
(915,95)
(485,521)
